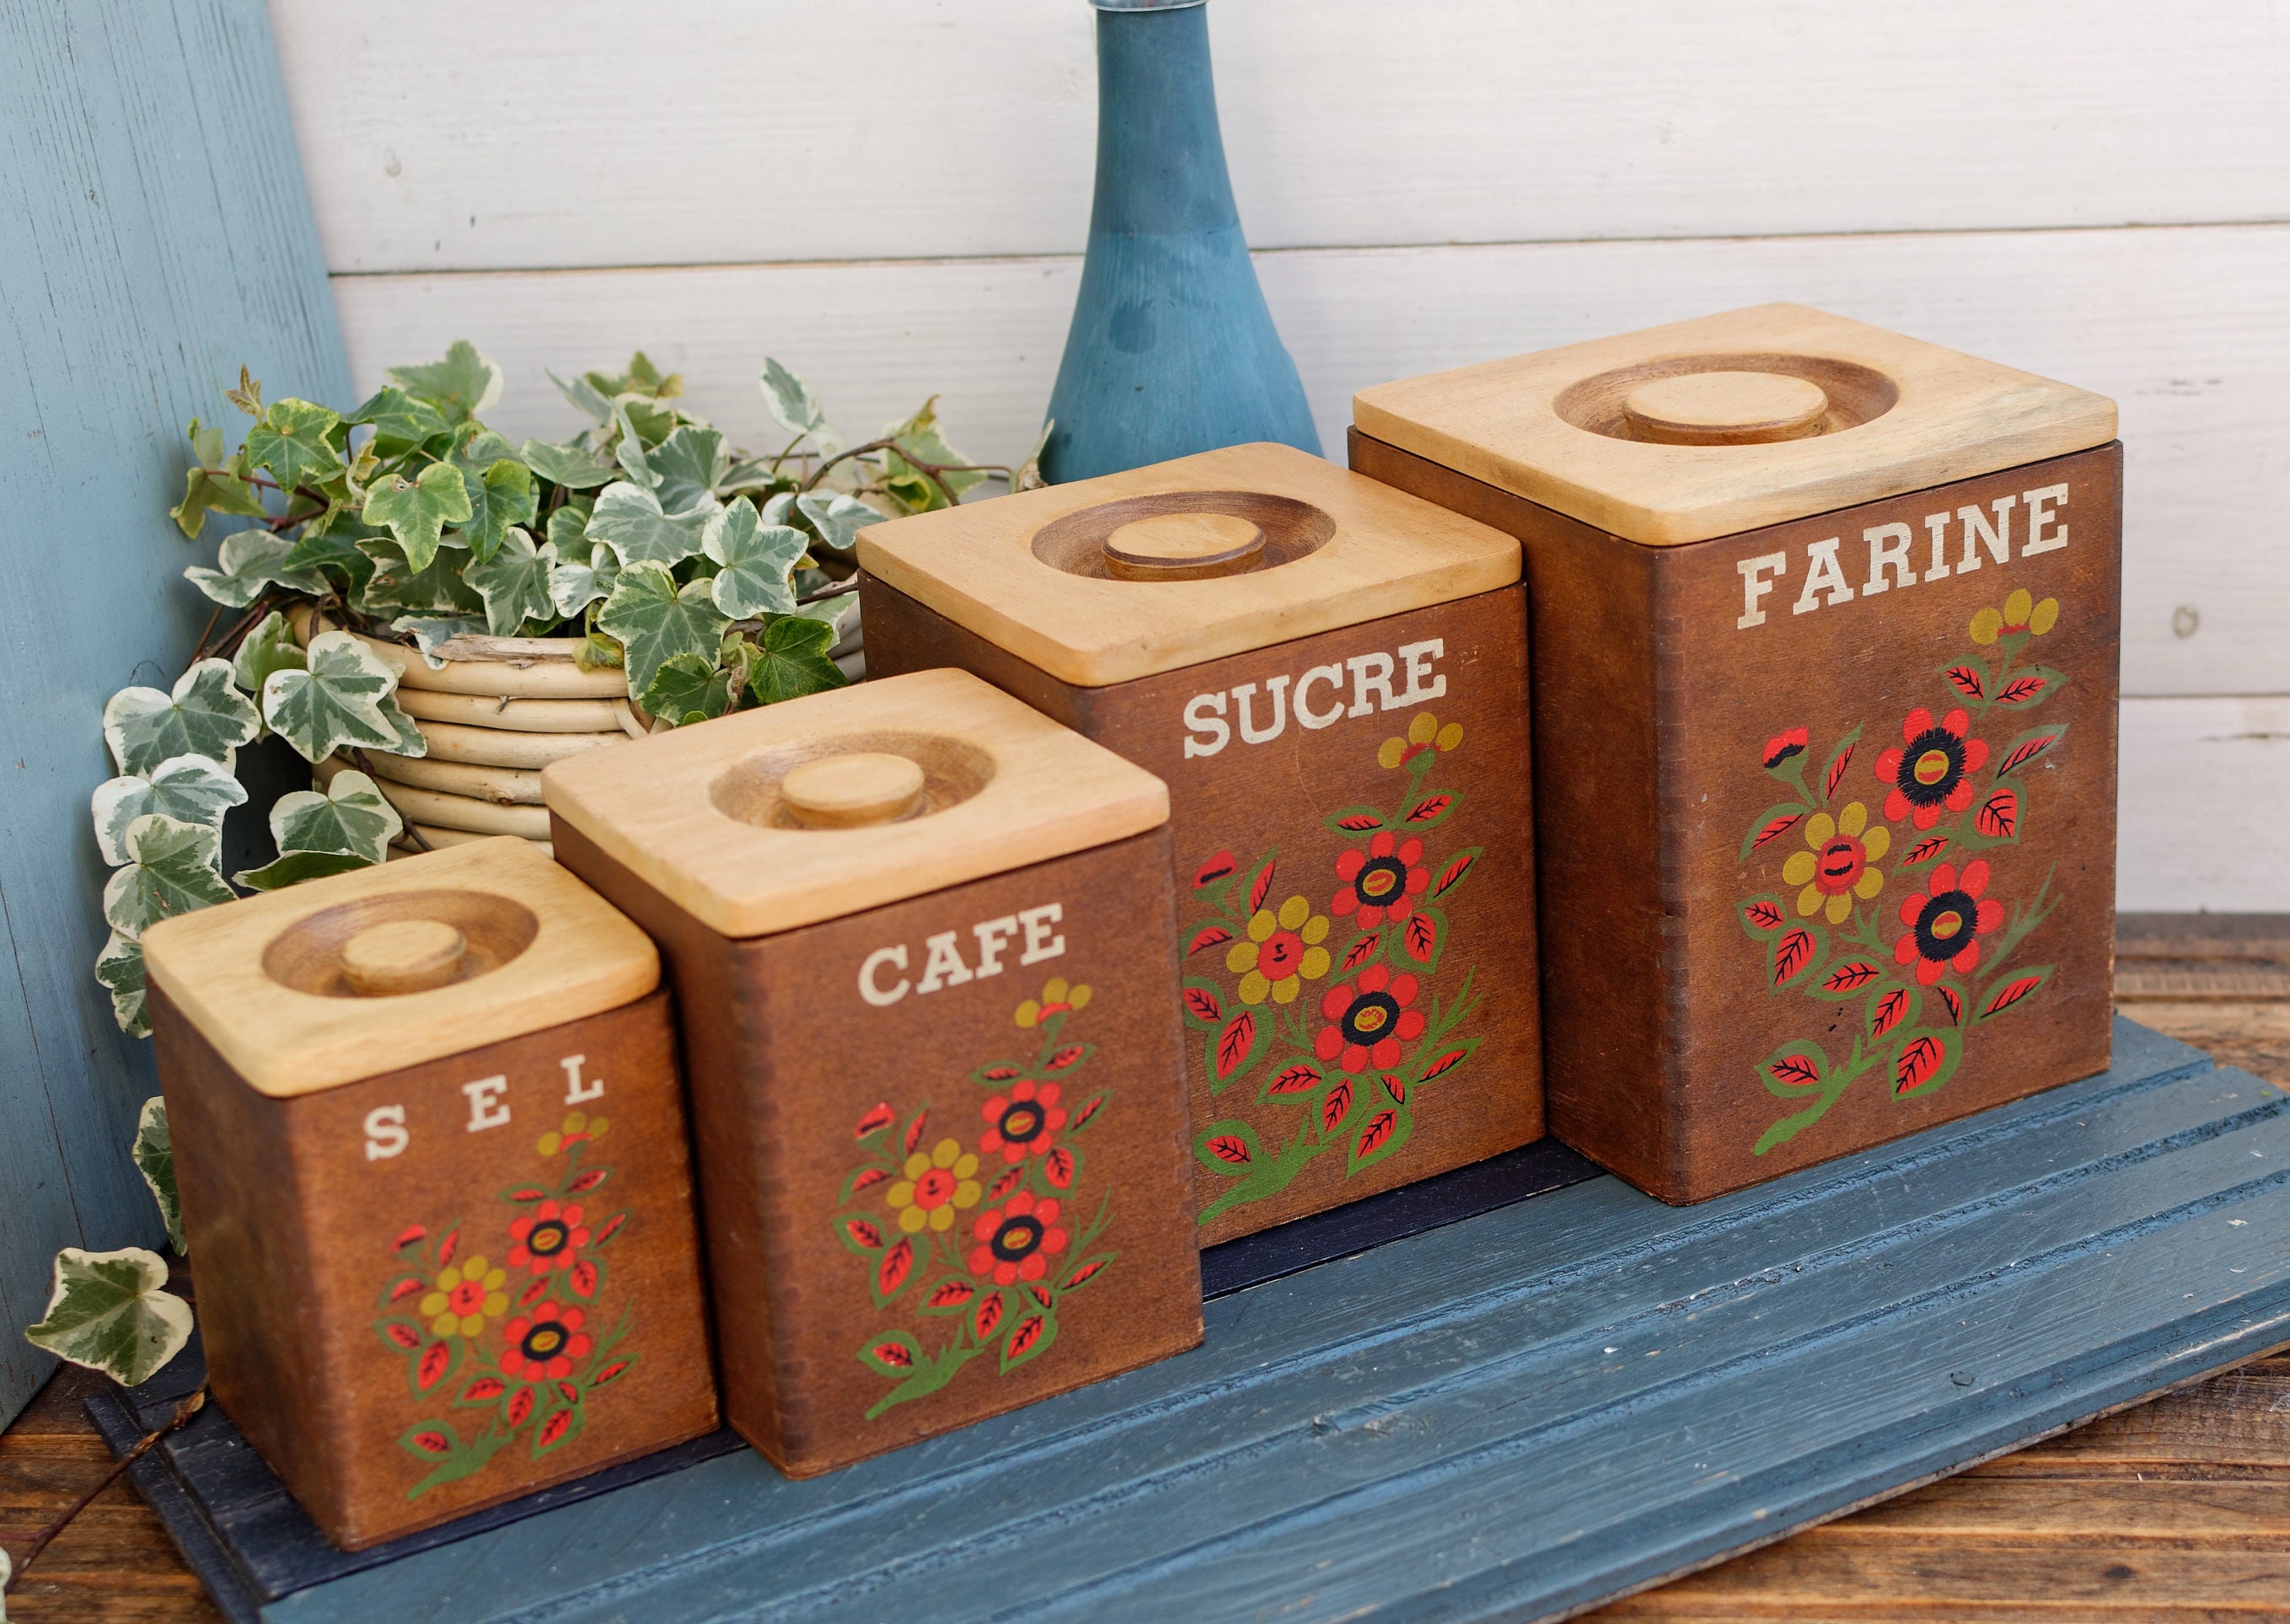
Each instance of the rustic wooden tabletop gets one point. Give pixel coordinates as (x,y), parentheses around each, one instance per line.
(2179,1508)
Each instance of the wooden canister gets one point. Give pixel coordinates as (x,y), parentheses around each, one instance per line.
(430,1142)
(1826,639)
(922,942)
(1332,678)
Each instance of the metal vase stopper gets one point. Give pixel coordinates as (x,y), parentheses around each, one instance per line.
(1172,350)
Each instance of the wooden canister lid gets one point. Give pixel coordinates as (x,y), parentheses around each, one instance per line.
(1108,579)
(1730,422)
(360,973)
(824,806)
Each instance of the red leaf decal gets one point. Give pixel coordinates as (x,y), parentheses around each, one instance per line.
(431,1442)
(587,1178)
(1372,1138)
(987,1318)
(1775,830)
(570,1392)
(1234,1043)
(914,1131)
(1887,1010)
(1058,1168)
(1919,1060)
(1967,681)
(520,1408)
(406,1336)
(1792,953)
(1359,823)
(609,1371)
(533,1293)
(1359,952)
(1837,770)
(867,1178)
(860,1230)
(1998,816)
(1209,872)
(1087,1271)
(1022,1339)
(897,1355)
(1000,1074)
(1793,1071)
(1429,807)
(1445,1063)
(1007,1182)
(2022,690)
(1452,873)
(613,1226)
(2027,750)
(1208,936)
(1419,936)
(408,1237)
(1336,1104)
(1397,1089)
(1851,973)
(1203,1004)
(447,1247)
(874,1122)
(1297,1079)
(1924,850)
(2010,995)
(583,1276)
(1082,1116)
(482,1389)
(1229,1148)
(1064,1057)
(952,1294)
(435,1358)
(405,1288)
(553,1430)
(1954,1000)
(1042,1294)
(897,1264)
(530,1193)
(1764,915)
(1260,886)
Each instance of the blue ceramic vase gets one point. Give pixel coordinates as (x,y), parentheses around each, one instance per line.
(1172,349)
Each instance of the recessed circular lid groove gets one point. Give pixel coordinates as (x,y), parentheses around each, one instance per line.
(1183,535)
(1725,408)
(853,791)
(401,956)
(1183,547)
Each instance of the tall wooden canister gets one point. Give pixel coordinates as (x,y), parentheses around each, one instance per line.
(1826,637)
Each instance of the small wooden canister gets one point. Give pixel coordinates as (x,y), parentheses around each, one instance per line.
(1332,677)
(1826,638)
(922,943)
(431,1148)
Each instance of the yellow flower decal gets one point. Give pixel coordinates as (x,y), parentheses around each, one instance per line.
(579,1128)
(2020,612)
(465,1297)
(1282,952)
(1424,732)
(938,1184)
(1057,999)
(1835,869)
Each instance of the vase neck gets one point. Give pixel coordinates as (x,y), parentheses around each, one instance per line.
(1160,156)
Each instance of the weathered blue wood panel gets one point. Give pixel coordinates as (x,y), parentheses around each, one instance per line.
(157,234)
(1512,1416)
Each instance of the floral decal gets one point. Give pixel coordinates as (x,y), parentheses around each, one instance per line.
(970,1248)
(508,1345)
(1950,968)
(1337,1028)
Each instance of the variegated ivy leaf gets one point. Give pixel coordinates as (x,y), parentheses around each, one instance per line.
(656,620)
(788,662)
(432,633)
(205,715)
(628,449)
(514,582)
(171,869)
(573,467)
(108,1313)
(400,422)
(250,561)
(919,438)
(839,614)
(755,559)
(585,396)
(796,407)
(333,547)
(248,396)
(501,488)
(154,1151)
(187,789)
(269,647)
(417,511)
(347,819)
(686,466)
(839,517)
(336,702)
(461,386)
(410,739)
(210,487)
(119,969)
(297,442)
(687,688)
(630,519)
(395,585)
(573,587)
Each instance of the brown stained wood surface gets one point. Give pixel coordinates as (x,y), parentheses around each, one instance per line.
(2177,1510)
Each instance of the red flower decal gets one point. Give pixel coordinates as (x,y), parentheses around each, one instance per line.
(544,1344)
(548,1237)
(1781,746)
(1369,1019)
(1016,1240)
(1946,920)
(1023,1121)
(1381,880)
(1931,770)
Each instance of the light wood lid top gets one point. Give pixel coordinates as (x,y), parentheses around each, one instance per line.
(1182,582)
(703,813)
(1594,430)
(298,990)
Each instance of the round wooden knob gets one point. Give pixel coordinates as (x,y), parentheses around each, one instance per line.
(849,792)
(1725,408)
(404,956)
(1183,547)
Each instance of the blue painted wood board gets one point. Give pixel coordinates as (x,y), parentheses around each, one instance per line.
(1510,1417)
(158,233)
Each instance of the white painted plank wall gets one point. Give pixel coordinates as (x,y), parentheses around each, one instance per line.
(2099,192)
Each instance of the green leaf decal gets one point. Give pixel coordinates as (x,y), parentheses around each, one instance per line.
(515,583)
(756,560)
(270,647)
(572,587)
(460,385)
(336,702)
(171,869)
(838,518)
(794,407)
(656,620)
(205,715)
(108,1312)
(399,421)
(687,688)
(573,467)
(631,520)
(154,1151)
(119,970)
(187,789)
(297,442)
(417,511)
(789,661)
(250,561)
